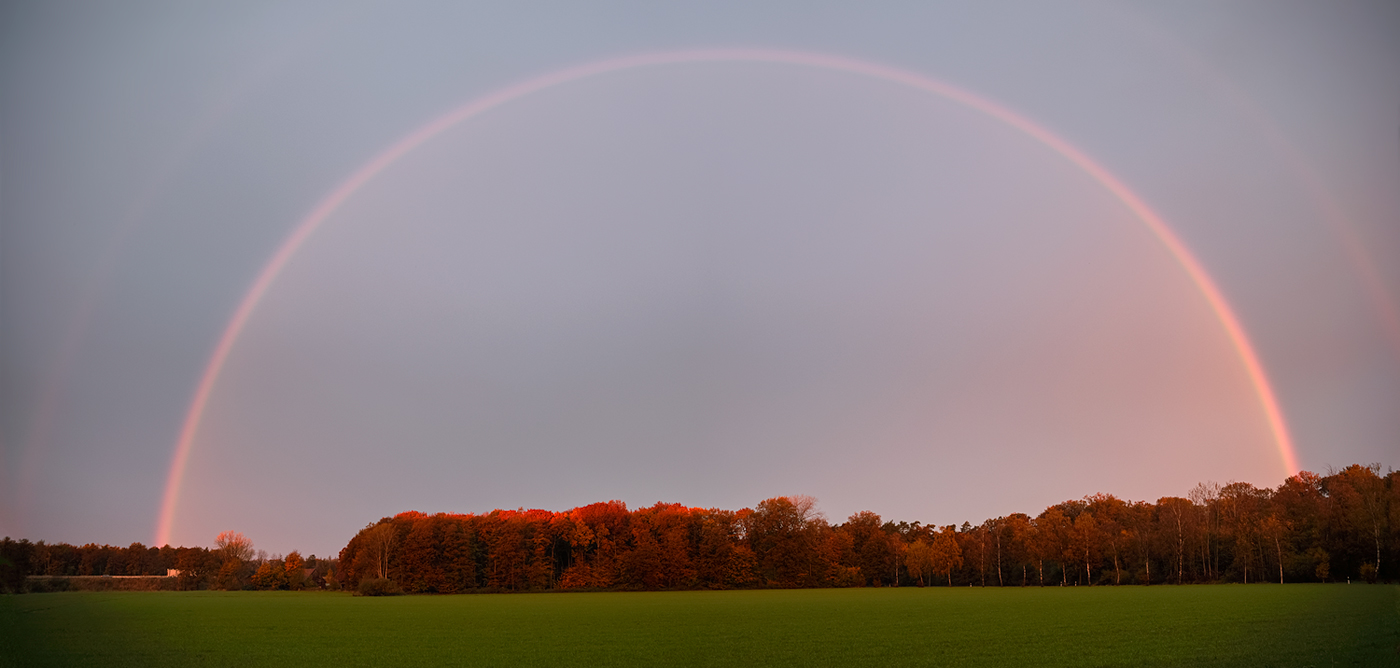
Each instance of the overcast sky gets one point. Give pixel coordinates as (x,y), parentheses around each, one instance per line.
(709,282)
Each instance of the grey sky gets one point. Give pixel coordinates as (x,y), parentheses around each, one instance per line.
(708,283)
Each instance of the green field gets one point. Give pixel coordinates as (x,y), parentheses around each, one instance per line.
(1216,625)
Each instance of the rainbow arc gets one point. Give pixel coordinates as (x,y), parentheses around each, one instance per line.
(1234,331)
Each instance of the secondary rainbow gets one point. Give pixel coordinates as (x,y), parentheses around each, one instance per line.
(308,225)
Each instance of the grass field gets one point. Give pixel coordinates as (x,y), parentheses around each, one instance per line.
(1219,625)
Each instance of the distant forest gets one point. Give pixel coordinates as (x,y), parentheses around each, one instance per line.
(231,564)
(1311,528)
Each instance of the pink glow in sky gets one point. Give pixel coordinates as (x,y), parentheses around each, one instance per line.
(939,262)
(327,207)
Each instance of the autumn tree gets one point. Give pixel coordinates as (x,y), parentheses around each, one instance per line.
(1361,500)
(598,533)
(1138,525)
(994,529)
(641,564)
(16,560)
(722,559)
(972,542)
(1037,548)
(873,550)
(1392,483)
(1051,539)
(196,566)
(1206,496)
(779,531)
(673,526)
(1084,544)
(229,578)
(945,555)
(1272,529)
(506,534)
(918,560)
(1175,514)
(1300,504)
(660,547)
(234,545)
(1110,515)
(1016,542)
(420,556)
(379,543)
(293,565)
(1241,509)
(1207,499)
(270,575)
(235,549)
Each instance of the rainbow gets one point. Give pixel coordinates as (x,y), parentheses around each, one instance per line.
(308,225)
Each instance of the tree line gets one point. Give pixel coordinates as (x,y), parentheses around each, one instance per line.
(231,564)
(1311,528)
